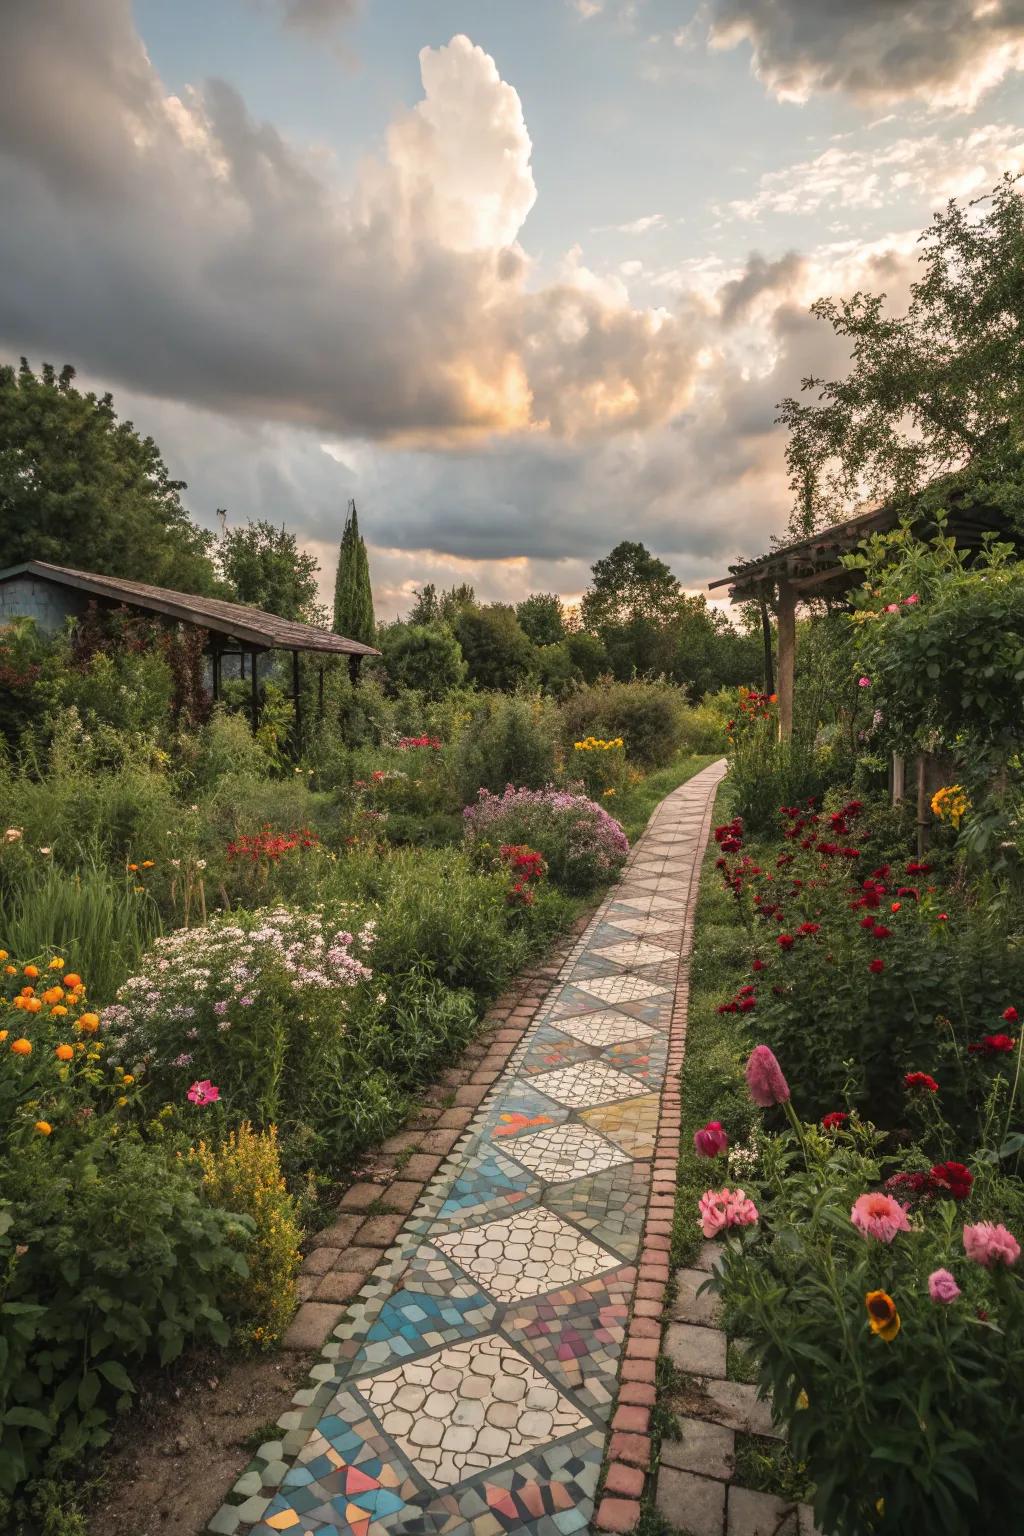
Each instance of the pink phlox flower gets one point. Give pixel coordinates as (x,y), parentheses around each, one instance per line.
(879,1216)
(990,1243)
(765,1079)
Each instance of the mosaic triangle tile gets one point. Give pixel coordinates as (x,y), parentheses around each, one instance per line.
(587,1083)
(610,1205)
(622,989)
(577,1334)
(631,1124)
(525,1254)
(608,1026)
(566,1152)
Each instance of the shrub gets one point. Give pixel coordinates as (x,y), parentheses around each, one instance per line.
(225,747)
(893,1399)
(255,1003)
(582,844)
(424,657)
(648,716)
(703,726)
(243,1174)
(506,741)
(600,764)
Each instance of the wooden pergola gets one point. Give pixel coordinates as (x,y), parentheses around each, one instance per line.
(812,567)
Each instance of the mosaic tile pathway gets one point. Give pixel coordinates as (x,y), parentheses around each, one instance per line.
(470,1387)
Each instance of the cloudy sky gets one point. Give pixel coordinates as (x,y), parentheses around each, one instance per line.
(522,278)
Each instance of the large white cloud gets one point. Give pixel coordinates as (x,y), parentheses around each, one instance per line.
(181,246)
(946,53)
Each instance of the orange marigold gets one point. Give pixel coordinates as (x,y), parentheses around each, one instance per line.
(90,1022)
(44,1127)
(64,1053)
(72,979)
(31,970)
(33,1004)
(22,1047)
(59,1011)
(53,994)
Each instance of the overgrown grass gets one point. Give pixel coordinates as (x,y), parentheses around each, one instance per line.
(717,1045)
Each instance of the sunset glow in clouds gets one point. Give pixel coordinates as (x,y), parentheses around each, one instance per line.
(523,284)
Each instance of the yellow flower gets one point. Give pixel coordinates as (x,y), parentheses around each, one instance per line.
(122,1101)
(802,1400)
(56,964)
(44,1127)
(129,1078)
(883,1317)
(3,1035)
(148,863)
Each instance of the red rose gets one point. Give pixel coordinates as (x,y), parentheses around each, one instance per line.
(785,941)
(956,1178)
(1010,1015)
(881,931)
(809,928)
(835,1120)
(992,1045)
(758,965)
(921,1080)
(877,966)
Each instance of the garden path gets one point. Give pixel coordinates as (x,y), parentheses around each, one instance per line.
(470,1388)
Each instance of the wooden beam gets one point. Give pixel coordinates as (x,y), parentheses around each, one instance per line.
(787,657)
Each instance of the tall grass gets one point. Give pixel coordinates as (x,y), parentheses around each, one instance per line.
(96,920)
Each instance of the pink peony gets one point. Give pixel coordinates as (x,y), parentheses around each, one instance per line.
(879,1216)
(989,1243)
(203,1093)
(711,1139)
(892,607)
(764,1078)
(724,1208)
(942,1287)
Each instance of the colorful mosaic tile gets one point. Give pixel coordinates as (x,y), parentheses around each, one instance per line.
(587,1083)
(567,1152)
(632,1124)
(468,1407)
(636,953)
(525,1255)
(606,1027)
(486,1179)
(550,1048)
(576,1334)
(610,1206)
(622,989)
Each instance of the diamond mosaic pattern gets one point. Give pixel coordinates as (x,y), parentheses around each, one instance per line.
(468,1389)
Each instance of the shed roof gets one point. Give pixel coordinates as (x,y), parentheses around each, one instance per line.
(237,621)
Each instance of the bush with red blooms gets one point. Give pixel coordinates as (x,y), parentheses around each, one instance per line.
(881,968)
(408,743)
(526,868)
(268,846)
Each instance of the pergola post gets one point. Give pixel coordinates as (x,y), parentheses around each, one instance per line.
(787,657)
(254,697)
(297,702)
(353,670)
(766,634)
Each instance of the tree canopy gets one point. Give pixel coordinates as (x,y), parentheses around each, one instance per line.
(497,652)
(264,566)
(933,393)
(80,488)
(542,617)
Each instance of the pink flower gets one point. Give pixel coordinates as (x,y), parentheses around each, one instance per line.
(913,598)
(989,1243)
(203,1093)
(724,1208)
(942,1287)
(711,1140)
(764,1078)
(879,1216)
(863,682)
(892,607)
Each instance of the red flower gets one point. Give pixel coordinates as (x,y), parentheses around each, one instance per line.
(711,1140)
(955,1177)
(867,922)
(1010,1015)
(835,1120)
(992,1045)
(758,965)
(876,966)
(921,1080)
(916,868)
(881,931)
(785,941)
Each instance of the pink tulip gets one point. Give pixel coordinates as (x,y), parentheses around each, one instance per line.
(913,598)
(863,682)
(711,1140)
(721,1209)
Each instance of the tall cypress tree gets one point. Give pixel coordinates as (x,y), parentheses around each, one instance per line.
(353,598)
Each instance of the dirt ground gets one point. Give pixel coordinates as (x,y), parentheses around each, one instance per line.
(184,1443)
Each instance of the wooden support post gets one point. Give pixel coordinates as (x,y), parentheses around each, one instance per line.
(922,805)
(297,703)
(787,657)
(899,778)
(254,697)
(216,675)
(769,667)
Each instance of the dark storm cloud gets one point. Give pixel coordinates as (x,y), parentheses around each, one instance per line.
(942,52)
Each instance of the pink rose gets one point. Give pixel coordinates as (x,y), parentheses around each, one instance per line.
(765,1081)
(990,1243)
(863,682)
(711,1140)
(913,598)
(724,1208)
(892,607)
(942,1287)
(879,1216)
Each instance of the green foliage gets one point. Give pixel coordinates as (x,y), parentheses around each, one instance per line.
(542,618)
(263,566)
(353,595)
(632,597)
(948,665)
(896,1433)
(497,652)
(433,607)
(648,716)
(587,654)
(80,488)
(424,657)
(508,740)
(932,390)
(108,1259)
